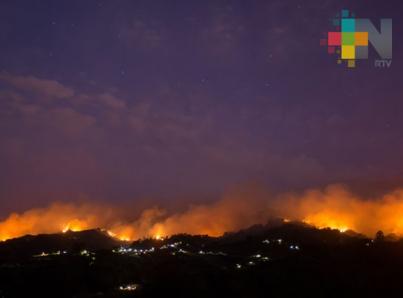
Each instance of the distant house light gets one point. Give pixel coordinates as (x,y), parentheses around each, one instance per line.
(129,287)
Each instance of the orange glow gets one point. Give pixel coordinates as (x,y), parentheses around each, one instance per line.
(124,238)
(110,233)
(334,207)
(158,232)
(75,225)
(54,219)
(323,224)
(158,237)
(337,208)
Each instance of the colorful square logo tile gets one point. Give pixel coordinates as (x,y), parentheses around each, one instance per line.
(347,52)
(350,38)
(361,38)
(334,38)
(348,25)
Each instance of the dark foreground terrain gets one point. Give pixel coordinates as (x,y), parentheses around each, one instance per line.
(278,260)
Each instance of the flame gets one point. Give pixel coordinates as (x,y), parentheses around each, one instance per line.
(327,223)
(121,237)
(158,232)
(110,233)
(56,218)
(75,225)
(337,208)
(124,238)
(333,207)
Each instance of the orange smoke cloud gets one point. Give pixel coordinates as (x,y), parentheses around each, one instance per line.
(333,207)
(337,208)
(236,210)
(57,217)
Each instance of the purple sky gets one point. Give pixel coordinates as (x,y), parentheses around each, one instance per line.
(120,100)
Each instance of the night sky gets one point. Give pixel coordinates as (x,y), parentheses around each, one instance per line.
(118,101)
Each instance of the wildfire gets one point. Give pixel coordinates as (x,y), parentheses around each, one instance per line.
(158,237)
(334,207)
(158,232)
(329,219)
(329,224)
(75,225)
(124,238)
(121,237)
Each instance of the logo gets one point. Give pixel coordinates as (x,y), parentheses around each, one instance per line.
(351,37)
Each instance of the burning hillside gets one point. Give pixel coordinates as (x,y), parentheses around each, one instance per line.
(333,207)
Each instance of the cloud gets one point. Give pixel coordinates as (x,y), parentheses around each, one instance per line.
(25,101)
(163,135)
(68,121)
(28,109)
(48,88)
(111,101)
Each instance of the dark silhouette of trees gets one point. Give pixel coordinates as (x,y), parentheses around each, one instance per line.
(379,236)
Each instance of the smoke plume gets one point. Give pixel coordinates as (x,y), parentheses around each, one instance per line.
(334,206)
